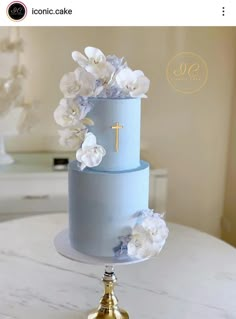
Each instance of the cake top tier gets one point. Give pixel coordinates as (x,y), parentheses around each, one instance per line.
(117,129)
(102,78)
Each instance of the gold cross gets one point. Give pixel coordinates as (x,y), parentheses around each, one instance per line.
(116,127)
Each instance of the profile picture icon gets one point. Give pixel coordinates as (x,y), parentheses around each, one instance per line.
(16,11)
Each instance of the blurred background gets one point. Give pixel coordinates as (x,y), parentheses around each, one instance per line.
(190,137)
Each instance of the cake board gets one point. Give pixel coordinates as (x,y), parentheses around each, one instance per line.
(108,308)
(63,247)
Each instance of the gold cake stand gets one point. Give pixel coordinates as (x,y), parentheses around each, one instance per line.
(108,307)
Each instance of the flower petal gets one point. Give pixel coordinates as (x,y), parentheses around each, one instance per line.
(91,158)
(79,154)
(85,81)
(79,58)
(98,90)
(67,113)
(82,166)
(138,73)
(85,107)
(94,70)
(72,138)
(87,121)
(101,150)
(94,53)
(69,86)
(125,75)
(90,141)
(142,86)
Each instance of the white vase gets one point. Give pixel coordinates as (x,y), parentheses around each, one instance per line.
(4,157)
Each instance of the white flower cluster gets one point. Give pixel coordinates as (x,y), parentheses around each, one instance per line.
(148,235)
(97,76)
(11,91)
(106,76)
(12,87)
(7,45)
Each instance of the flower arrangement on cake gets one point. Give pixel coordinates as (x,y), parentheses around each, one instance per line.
(97,76)
(147,237)
(108,184)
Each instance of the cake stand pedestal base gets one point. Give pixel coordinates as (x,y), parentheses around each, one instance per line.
(108,308)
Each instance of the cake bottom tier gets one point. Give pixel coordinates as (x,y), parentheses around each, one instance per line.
(103,205)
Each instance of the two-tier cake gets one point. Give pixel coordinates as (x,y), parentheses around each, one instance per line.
(108,183)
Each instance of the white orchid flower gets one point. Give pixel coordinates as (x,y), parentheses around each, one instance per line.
(79,82)
(93,56)
(134,83)
(148,235)
(140,245)
(72,137)
(157,228)
(69,113)
(90,154)
(95,63)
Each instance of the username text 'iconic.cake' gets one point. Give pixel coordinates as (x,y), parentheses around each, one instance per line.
(108,183)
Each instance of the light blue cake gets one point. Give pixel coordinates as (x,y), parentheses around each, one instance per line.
(104,200)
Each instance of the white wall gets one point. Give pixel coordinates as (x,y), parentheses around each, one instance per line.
(229,219)
(187,134)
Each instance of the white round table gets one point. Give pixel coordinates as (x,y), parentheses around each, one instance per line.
(194,277)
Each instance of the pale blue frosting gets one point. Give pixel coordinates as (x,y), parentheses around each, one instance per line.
(104,200)
(102,206)
(127,112)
